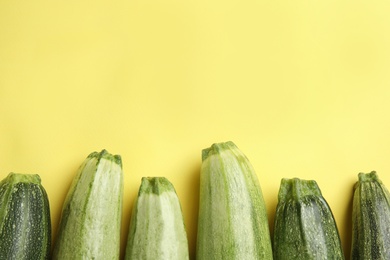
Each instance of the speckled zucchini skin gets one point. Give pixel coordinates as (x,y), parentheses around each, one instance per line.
(25,227)
(157,230)
(370,219)
(91,215)
(232,221)
(304,224)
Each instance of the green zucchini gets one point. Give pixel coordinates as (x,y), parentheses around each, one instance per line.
(91,215)
(157,228)
(25,226)
(304,225)
(370,219)
(232,221)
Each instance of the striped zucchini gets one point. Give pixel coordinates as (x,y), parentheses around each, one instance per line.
(157,228)
(91,215)
(304,224)
(25,227)
(232,220)
(370,219)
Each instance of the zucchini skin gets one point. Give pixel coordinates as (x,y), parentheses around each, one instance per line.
(304,225)
(232,221)
(90,221)
(157,229)
(370,219)
(25,224)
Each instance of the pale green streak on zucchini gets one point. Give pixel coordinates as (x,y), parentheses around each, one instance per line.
(370,219)
(91,215)
(304,224)
(25,226)
(157,228)
(232,220)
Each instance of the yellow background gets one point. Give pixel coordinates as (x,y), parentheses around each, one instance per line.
(302,88)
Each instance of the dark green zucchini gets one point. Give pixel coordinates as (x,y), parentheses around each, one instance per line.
(304,224)
(370,219)
(25,227)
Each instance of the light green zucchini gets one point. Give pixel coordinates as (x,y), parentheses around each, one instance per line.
(304,224)
(232,221)
(370,219)
(157,229)
(91,215)
(25,227)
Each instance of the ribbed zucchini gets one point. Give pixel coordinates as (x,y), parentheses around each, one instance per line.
(157,228)
(370,219)
(25,227)
(232,220)
(91,215)
(304,224)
